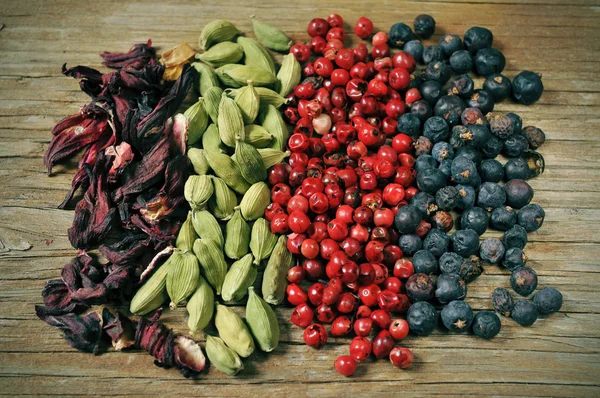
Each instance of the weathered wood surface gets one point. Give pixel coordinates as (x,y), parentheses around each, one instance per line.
(558,356)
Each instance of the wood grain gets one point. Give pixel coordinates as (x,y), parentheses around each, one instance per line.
(558,356)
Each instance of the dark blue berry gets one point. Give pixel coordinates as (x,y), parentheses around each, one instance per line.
(491,195)
(442,151)
(516,169)
(431,91)
(424,203)
(407,219)
(491,250)
(524,313)
(425,262)
(502,301)
(471,153)
(431,180)
(548,300)
(410,244)
(450,107)
(498,85)
(486,324)
(420,287)
(461,85)
(437,242)
(432,53)
(458,136)
(438,71)
(476,219)
(445,167)
(492,148)
(503,218)
(457,316)
(414,48)
(421,109)
(514,258)
(409,124)
(450,263)
(489,61)
(450,287)
(400,33)
(515,237)
(531,217)
(477,38)
(423,162)
(466,197)
(516,121)
(446,198)
(424,25)
(501,126)
(527,87)
(515,145)
(461,62)
(470,269)
(449,44)
(535,136)
(481,99)
(523,281)
(491,170)
(518,193)
(421,318)
(436,129)
(416,80)
(465,242)
(478,135)
(463,170)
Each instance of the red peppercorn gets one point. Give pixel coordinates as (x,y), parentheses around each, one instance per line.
(281,194)
(325,313)
(301,51)
(401,357)
(399,329)
(335,21)
(328,247)
(388,300)
(315,293)
(361,52)
(377,88)
(383,217)
(323,67)
(272,210)
(314,269)
(404,303)
(381,273)
(310,248)
(302,315)
(298,202)
(279,223)
(294,243)
(295,294)
(309,69)
(335,33)
(296,274)
(317,27)
(383,343)
(360,348)
(399,78)
(345,365)
(379,38)
(298,221)
(374,251)
(393,284)
(345,59)
(363,326)
(381,319)
(412,95)
(341,326)
(369,135)
(366,274)
(337,230)
(363,27)
(382,50)
(315,335)
(363,312)
(350,272)
(410,192)
(369,294)
(330,296)
(304,91)
(403,268)
(346,303)
(404,60)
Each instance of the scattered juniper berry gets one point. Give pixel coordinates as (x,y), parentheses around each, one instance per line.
(486,324)
(407,219)
(489,61)
(431,180)
(442,151)
(424,161)
(400,33)
(421,318)
(491,170)
(449,44)
(461,85)
(450,287)
(450,107)
(548,300)
(463,170)
(516,169)
(420,287)
(471,116)
(466,197)
(478,135)
(437,242)
(523,281)
(493,147)
(422,145)
(524,313)
(502,301)
(527,87)
(518,193)
(515,145)
(410,244)
(436,129)
(443,220)
(531,217)
(424,25)
(535,136)
(517,122)
(457,316)
(431,91)
(501,126)
(424,203)
(414,48)
(461,62)
(491,195)
(470,269)
(498,85)
(425,262)
(477,38)
(492,250)
(446,198)
(476,219)
(421,109)
(515,237)
(409,124)
(465,242)
(450,263)
(481,99)
(432,53)
(514,258)
(503,218)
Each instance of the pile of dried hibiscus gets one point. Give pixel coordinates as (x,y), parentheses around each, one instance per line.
(132,173)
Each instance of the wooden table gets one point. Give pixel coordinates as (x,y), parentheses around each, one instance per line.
(558,356)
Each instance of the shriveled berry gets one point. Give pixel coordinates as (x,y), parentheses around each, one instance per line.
(486,324)
(535,136)
(502,301)
(523,281)
(461,85)
(470,269)
(420,287)
(548,300)
(501,126)
(450,263)
(524,313)
(492,250)
(432,53)
(457,316)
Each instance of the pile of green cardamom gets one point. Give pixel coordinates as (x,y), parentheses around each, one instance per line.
(235,133)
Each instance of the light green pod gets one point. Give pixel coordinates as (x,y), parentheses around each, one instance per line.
(222,357)
(207,77)
(274,124)
(234,331)
(211,140)
(271,37)
(274,278)
(198,121)
(239,278)
(216,32)
(223,201)
(256,55)
(223,53)
(212,99)
(212,262)
(237,236)
(262,322)
(201,306)
(183,278)
(207,226)
(198,159)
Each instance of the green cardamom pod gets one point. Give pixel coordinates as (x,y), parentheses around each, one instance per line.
(271,156)
(198,121)
(201,306)
(274,278)
(207,77)
(225,168)
(271,37)
(234,331)
(182,279)
(239,278)
(222,357)
(249,161)
(198,159)
(216,32)
(222,54)
(223,201)
(212,99)
(153,293)
(267,96)
(248,101)
(289,75)
(237,236)
(224,76)
(274,124)
(259,76)
(211,140)
(212,262)
(197,191)
(256,55)
(231,121)
(207,226)
(186,236)
(255,201)
(257,136)
(262,322)
(262,240)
